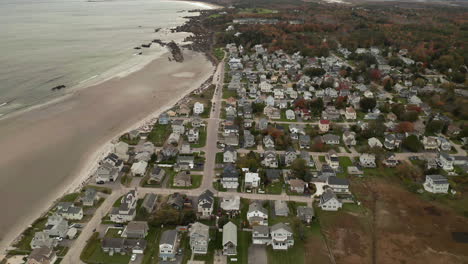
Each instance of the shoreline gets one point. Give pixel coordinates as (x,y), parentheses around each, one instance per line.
(83,174)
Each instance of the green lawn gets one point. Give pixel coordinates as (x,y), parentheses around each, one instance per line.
(244,240)
(201,139)
(151,255)
(257,11)
(274,188)
(24,243)
(99,189)
(345,162)
(219,158)
(229,93)
(71,197)
(93,254)
(159,134)
(218,52)
(294,254)
(113,232)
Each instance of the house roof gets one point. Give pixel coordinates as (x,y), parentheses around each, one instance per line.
(437,179)
(200,229)
(256,206)
(137,226)
(327,196)
(168,237)
(230,233)
(265,230)
(279,226)
(305,211)
(337,181)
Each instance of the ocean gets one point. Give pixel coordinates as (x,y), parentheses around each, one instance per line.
(49,43)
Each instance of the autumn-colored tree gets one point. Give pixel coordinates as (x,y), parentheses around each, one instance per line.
(404,127)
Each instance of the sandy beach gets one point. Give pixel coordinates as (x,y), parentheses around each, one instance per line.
(52,149)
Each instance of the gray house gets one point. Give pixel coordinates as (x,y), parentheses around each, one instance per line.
(230,239)
(136,229)
(281,208)
(305,213)
(89,197)
(168,245)
(199,238)
(156,175)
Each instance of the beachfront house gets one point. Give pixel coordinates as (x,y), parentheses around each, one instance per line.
(329,201)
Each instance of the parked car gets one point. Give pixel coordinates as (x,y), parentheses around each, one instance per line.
(133,258)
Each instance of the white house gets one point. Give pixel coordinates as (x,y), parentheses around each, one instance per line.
(445,161)
(198,108)
(126,211)
(329,201)
(367,160)
(168,245)
(252,180)
(290,114)
(257,214)
(139,168)
(205,204)
(199,238)
(374,142)
(324,125)
(350,113)
(436,184)
(281,237)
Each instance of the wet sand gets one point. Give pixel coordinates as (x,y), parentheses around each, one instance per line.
(48,151)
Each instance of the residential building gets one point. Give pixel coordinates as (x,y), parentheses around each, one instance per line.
(231,204)
(260,235)
(56,226)
(69,211)
(349,138)
(281,237)
(168,245)
(331,139)
(367,160)
(199,238)
(230,177)
(126,211)
(41,239)
(332,159)
(436,184)
(229,155)
(139,168)
(42,255)
(324,126)
(338,185)
(329,201)
(304,141)
(230,239)
(90,196)
(205,204)
(182,179)
(350,113)
(136,229)
(157,175)
(305,213)
(297,185)
(198,108)
(281,208)
(257,214)
(445,161)
(252,180)
(270,159)
(430,143)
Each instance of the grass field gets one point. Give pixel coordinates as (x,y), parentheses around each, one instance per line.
(201,139)
(159,134)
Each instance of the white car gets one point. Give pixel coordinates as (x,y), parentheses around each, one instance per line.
(133,257)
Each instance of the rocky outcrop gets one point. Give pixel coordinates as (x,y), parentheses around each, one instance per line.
(176,51)
(58,87)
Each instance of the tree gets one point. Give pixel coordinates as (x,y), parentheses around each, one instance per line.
(367,104)
(316,106)
(412,143)
(313,72)
(258,107)
(408,171)
(404,127)
(435,126)
(299,168)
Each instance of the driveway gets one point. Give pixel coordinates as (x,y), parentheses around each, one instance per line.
(257,254)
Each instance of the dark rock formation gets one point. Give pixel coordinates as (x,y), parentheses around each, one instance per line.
(58,87)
